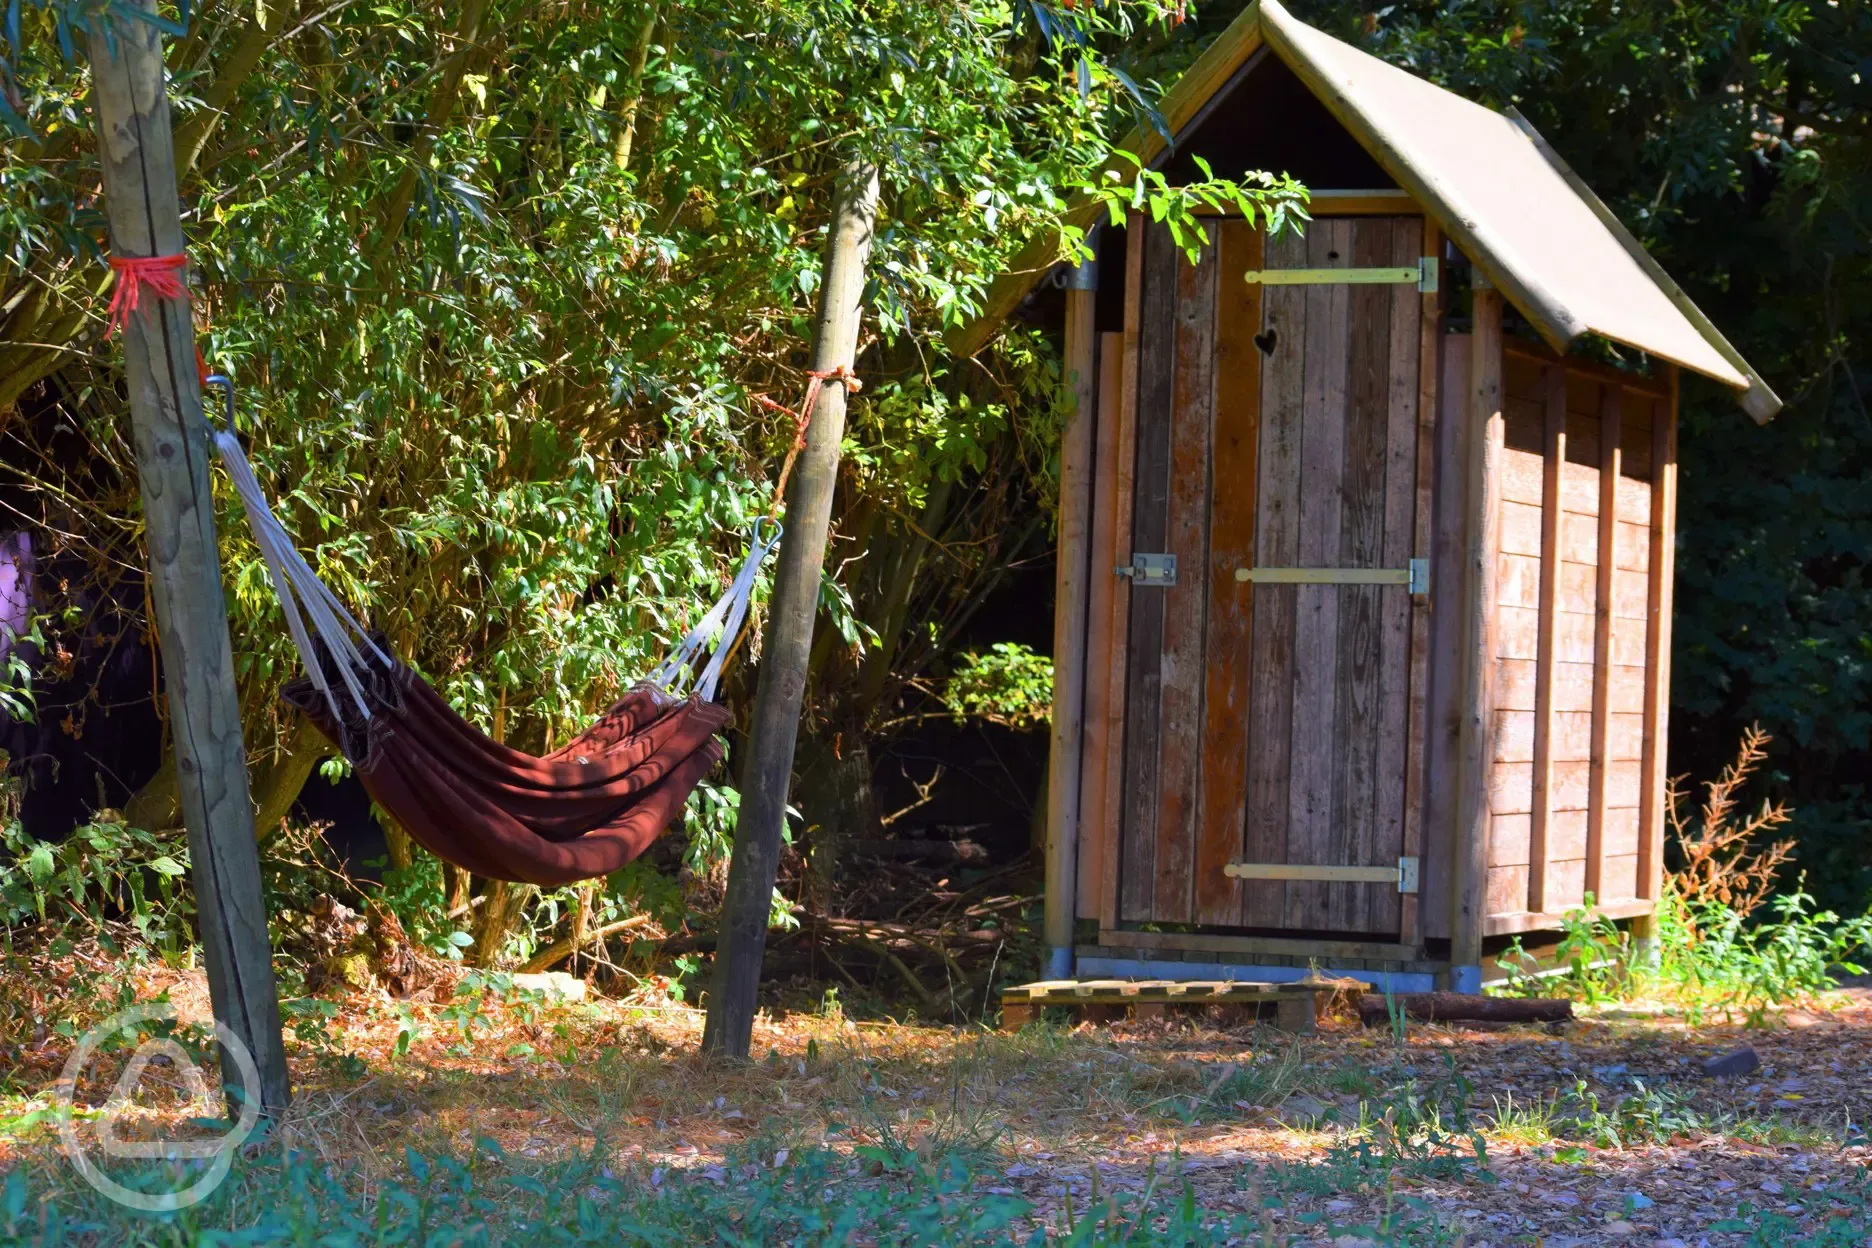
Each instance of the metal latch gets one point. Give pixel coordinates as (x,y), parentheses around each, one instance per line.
(1150,570)
(1415,577)
(1422,275)
(1404,875)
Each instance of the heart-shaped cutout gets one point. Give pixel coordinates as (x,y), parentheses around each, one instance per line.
(1266,341)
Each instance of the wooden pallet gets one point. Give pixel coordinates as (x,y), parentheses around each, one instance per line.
(1296,1004)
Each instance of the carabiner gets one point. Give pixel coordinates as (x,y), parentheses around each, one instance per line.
(226,386)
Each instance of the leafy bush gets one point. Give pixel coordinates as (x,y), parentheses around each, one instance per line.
(1710,954)
(103,870)
(1010,685)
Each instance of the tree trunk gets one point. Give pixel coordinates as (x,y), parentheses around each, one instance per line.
(633,99)
(847,813)
(278,783)
(193,134)
(398,848)
(466,45)
(460,888)
(500,906)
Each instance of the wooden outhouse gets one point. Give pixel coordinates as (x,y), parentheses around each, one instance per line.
(1363,632)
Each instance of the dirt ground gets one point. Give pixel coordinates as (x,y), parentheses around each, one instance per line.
(1603,1130)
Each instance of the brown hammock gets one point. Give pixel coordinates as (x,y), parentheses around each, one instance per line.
(582,811)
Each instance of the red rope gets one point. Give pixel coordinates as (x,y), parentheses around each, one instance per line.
(162,274)
(802,420)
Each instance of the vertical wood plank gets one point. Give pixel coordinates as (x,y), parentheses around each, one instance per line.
(1124,482)
(1277,544)
(1315,804)
(1663,566)
(1066,752)
(1398,736)
(1181,750)
(1359,718)
(1611,464)
(1483,491)
(1428,332)
(1095,824)
(1150,529)
(1448,615)
(1228,657)
(1553,466)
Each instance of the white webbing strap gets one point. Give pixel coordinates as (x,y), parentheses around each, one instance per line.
(302,596)
(720,625)
(304,599)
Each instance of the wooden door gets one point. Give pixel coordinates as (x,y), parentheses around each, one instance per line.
(1270,722)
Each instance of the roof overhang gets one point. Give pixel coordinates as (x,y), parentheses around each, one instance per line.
(1537,232)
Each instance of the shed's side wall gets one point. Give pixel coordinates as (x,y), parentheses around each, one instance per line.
(1575,604)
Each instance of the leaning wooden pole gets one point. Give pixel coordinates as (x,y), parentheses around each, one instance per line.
(137,156)
(768,771)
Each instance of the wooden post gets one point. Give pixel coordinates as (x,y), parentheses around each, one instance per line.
(1661,577)
(1553,385)
(1482,492)
(137,157)
(769,768)
(1069,622)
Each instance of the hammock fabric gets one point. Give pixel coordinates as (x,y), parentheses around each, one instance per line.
(582,811)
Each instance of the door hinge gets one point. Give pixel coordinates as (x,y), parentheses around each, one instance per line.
(1407,875)
(1420,576)
(1150,570)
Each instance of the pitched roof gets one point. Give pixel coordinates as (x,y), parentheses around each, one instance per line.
(1494,186)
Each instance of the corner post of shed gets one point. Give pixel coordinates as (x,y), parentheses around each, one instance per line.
(1071,597)
(1661,577)
(1482,499)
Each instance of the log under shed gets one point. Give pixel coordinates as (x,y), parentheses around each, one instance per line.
(1363,628)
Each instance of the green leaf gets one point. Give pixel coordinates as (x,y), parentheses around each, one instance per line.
(40,865)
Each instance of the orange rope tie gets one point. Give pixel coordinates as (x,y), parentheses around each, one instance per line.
(161,274)
(802,421)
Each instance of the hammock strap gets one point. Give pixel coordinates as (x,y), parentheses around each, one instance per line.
(303,598)
(721,624)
